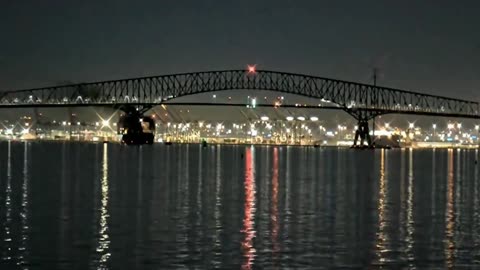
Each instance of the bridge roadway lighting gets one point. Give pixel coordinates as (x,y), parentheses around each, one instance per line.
(289,118)
(387,125)
(411,125)
(450,126)
(313,118)
(477,127)
(105,123)
(301,118)
(264,118)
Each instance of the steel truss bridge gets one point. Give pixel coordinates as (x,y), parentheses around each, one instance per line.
(362,101)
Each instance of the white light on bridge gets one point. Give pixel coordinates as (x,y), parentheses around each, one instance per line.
(264,118)
(313,118)
(411,125)
(477,127)
(289,118)
(105,123)
(254,102)
(301,118)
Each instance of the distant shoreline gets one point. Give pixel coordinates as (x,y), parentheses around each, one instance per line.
(470,147)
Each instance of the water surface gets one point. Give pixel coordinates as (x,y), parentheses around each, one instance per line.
(107,206)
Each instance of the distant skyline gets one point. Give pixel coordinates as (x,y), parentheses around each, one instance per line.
(428,46)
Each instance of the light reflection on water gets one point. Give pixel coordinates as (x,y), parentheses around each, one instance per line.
(450,214)
(103,233)
(249,217)
(7,221)
(105,206)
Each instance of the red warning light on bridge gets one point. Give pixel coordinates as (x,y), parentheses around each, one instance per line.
(252,69)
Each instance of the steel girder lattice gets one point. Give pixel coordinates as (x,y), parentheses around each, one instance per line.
(362,101)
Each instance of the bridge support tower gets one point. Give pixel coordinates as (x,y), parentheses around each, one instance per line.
(135,127)
(363,131)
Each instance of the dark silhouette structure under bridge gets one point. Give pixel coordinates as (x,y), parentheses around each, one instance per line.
(362,101)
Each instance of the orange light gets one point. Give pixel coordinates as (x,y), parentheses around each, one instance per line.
(252,69)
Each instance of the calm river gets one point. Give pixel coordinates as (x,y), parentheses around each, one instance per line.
(108,206)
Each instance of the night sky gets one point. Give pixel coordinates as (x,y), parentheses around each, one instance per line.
(427,46)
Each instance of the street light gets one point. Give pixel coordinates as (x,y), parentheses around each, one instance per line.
(434,129)
(253,102)
(411,125)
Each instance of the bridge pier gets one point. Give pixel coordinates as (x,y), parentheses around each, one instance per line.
(362,132)
(135,127)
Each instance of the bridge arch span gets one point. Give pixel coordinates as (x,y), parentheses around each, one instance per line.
(363,101)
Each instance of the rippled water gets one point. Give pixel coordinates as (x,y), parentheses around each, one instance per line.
(106,206)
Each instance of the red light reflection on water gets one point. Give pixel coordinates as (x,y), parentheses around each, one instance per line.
(249,214)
